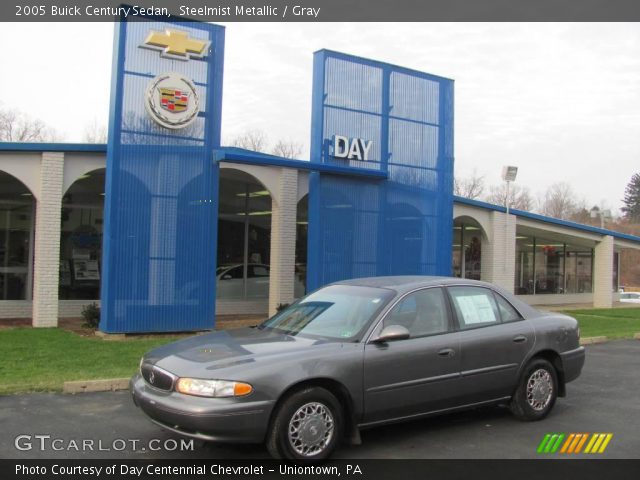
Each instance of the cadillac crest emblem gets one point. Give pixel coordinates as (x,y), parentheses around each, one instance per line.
(172,100)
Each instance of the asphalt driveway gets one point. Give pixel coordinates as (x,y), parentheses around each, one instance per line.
(606,398)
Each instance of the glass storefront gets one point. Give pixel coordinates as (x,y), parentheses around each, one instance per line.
(302,229)
(81,238)
(467,238)
(546,266)
(244,237)
(17,216)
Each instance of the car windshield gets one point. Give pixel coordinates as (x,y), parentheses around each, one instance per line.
(336,312)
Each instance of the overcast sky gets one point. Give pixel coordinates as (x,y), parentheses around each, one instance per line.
(561,101)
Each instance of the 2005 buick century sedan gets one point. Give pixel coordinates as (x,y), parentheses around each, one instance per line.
(357,354)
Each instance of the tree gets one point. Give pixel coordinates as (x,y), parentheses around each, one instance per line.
(287,149)
(469,187)
(519,197)
(255,140)
(560,201)
(631,200)
(95,133)
(15,126)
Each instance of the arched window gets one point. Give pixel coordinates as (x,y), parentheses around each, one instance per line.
(244,237)
(81,238)
(16,238)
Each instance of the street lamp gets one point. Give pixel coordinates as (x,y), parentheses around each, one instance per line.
(603,214)
(509,174)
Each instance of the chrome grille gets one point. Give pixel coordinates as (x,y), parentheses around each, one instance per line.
(157,377)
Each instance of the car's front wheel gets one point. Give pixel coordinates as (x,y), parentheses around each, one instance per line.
(537,392)
(307,426)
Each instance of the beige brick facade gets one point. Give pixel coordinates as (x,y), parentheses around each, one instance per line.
(283,239)
(47,241)
(603,273)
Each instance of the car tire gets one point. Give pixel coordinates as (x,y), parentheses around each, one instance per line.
(537,391)
(306,427)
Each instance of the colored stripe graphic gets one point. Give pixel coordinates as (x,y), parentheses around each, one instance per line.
(574,443)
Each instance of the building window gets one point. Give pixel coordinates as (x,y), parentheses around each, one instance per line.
(578,268)
(81,238)
(302,232)
(467,250)
(549,266)
(524,265)
(244,237)
(16,238)
(545,266)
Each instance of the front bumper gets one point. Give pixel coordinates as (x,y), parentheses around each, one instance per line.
(212,419)
(572,363)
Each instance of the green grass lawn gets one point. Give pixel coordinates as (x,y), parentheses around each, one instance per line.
(35,359)
(607,322)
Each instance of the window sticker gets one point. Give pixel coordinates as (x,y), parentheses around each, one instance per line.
(476,309)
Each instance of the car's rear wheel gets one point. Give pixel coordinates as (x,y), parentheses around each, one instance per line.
(537,392)
(307,426)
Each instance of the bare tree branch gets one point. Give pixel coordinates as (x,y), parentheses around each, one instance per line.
(16,126)
(287,149)
(255,140)
(95,133)
(560,201)
(469,187)
(519,197)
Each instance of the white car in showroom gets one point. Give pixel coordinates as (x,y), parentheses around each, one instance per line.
(230,281)
(630,297)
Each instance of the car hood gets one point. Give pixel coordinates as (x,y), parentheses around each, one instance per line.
(200,355)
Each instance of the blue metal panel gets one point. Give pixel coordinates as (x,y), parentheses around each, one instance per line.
(159,248)
(402,225)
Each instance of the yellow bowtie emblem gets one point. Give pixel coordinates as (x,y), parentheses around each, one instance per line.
(176,44)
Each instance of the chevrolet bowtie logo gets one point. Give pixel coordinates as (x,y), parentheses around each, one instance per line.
(176,44)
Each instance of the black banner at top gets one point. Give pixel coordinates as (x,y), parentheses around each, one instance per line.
(322,10)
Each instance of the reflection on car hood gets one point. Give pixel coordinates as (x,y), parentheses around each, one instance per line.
(198,356)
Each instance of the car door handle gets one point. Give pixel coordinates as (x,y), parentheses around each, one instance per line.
(447,352)
(519,339)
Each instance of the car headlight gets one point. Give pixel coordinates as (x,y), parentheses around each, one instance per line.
(212,388)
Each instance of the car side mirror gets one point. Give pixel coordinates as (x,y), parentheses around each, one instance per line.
(391,333)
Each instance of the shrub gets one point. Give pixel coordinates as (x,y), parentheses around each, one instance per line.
(281,306)
(91,315)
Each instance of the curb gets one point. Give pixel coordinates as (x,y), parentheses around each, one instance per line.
(592,340)
(107,385)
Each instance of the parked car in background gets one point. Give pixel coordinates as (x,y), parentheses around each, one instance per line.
(230,281)
(357,354)
(630,297)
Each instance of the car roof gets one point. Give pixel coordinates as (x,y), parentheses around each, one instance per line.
(405,283)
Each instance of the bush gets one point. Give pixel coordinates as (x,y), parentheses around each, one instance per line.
(91,315)
(281,306)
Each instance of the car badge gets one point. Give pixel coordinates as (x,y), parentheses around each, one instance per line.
(172,100)
(176,44)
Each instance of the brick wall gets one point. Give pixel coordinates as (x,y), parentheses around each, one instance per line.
(47,241)
(283,239)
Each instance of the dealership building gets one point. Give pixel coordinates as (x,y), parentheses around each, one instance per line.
(167,229)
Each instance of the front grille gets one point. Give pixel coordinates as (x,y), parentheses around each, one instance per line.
(157,377)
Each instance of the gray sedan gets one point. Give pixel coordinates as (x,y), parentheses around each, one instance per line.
(357,354)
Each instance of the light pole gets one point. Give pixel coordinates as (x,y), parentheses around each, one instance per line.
(603,214)
(509,174)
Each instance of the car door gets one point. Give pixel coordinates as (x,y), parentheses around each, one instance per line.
(494,340)
(418,374)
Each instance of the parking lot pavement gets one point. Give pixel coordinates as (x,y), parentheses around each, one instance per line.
(606,398)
